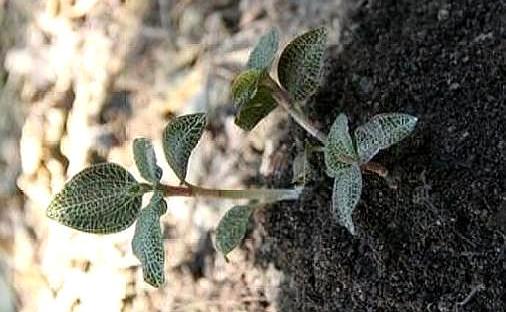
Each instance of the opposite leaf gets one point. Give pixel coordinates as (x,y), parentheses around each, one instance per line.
(252,101)
(263,54)
(300,63)
(147,243)
(339,151)
(345,196)
(180,137)
(232,228)
(245,86)
(104,198)
(145,159)
(381,132)
(252,112)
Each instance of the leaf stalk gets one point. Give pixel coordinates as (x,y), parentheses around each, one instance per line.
(283,99)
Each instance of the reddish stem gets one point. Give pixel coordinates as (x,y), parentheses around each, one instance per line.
(169,190)
(376,168)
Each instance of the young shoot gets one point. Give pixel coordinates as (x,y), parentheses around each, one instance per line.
(256,93)
(344,157)
(106,198)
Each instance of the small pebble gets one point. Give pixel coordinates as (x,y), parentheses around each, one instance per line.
(442,15)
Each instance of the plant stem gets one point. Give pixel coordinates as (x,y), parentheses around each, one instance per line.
(282,97)
(265,195)
(376,168)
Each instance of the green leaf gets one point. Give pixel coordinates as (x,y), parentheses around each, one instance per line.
(252,101)
(147,243)
(265,50)
(345,196)
(381,132)
(145,159)
(300,63)
(104,198)
(245,86)
(180,137)
(252,112)
(339,150)
(232,228)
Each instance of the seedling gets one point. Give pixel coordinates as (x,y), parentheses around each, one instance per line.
(256,93)
(106,198)
(345,157)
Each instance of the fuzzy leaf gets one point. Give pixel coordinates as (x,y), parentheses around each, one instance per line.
(145,159)
(180,137)
(252,112)
(103,198)
(300,63)
(345,196)
(263,54)
(381,132)
(339,147)
(147,243)
(232,228)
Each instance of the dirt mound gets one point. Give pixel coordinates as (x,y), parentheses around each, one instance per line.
(437,242)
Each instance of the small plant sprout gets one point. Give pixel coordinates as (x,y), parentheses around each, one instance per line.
(256,93)
(106,198)
(345,157)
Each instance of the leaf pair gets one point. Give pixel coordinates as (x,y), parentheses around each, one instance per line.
(147,243)
(298,69)
(180,137)
(106,198)
(343,156)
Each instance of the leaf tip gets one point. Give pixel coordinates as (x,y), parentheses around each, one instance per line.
(414,120)
(262,55)
(51,212)
(155,282)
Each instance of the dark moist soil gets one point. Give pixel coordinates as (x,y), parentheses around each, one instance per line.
(440,236)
